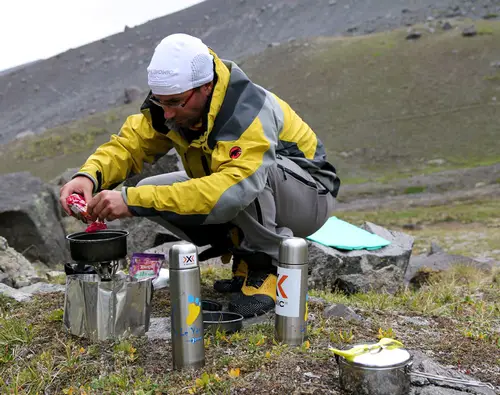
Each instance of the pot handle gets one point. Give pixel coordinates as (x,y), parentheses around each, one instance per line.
(450,379)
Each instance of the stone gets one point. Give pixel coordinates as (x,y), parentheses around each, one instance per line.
(469,31)
(362,270)
(43,288)
(413,35)
(14,293)
(166,164)
(145,234)
(341,311)
(447,26)
(15,269)
(30,218)
(52,274)
(426,386)
(132,93)
(159,328)
(422,266)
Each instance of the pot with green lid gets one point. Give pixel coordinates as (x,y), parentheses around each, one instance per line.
(377,371)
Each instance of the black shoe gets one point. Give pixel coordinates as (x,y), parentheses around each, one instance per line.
(236,282)
(258,294)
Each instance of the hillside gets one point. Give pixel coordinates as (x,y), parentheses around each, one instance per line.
(92,78)
(385,107)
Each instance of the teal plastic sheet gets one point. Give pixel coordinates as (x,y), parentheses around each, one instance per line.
(345,236)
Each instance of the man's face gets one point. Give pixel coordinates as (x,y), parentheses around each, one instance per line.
(185,109)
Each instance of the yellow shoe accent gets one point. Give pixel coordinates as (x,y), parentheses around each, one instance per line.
(268,287)
(241,269)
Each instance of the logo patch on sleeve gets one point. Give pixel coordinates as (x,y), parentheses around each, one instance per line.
(235,152)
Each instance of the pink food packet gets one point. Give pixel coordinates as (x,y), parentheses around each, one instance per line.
(143,265)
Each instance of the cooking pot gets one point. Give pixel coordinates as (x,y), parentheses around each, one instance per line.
(379,372)
(100,246)
(384,371)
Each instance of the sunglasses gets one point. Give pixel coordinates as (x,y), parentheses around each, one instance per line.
(171,105)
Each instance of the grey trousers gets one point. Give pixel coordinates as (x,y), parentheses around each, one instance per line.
(293,203)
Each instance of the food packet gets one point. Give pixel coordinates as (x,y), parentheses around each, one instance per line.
(78,207)
(143,265)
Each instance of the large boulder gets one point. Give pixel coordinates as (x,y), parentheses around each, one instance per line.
(361,270)
(144,234)
(30,219)
(166,164)
(421,267)
(15,270)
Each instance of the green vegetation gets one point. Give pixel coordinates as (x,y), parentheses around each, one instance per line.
(36,355)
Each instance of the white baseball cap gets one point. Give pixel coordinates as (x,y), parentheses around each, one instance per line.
(180,62)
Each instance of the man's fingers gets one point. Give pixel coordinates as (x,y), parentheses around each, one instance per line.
(93,202)
(105,213)
(87,195)
(64,194)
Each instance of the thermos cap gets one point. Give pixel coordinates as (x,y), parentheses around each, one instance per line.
(293,251)
(183,256)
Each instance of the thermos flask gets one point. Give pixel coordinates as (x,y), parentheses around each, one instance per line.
(291,292)
(188,349)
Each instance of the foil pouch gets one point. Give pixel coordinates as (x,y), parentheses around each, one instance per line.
(102,310)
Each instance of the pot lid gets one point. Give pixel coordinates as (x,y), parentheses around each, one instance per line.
(382,357)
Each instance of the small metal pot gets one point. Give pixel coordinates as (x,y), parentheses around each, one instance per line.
(101,246)
(222,321)
(385,372)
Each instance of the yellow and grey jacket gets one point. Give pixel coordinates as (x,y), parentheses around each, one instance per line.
(246,128)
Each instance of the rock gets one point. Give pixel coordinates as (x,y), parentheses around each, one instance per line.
(26,133)
(421,267)
(435,249)
(52,274)
(413,35)
(14,293)
(65,177)
(447,26)
(159,328)
(362,270)
(469,31)
(16,270)
(43,288)
(166,164)
(341,311)
(416,321)
(30,219)
(145,234)
(495,64)
(424,386)
(436,162)
(132,93)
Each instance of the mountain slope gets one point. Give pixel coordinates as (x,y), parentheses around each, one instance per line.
(93,77)
(385,107)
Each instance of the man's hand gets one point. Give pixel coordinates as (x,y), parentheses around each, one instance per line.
(81,185)
(108,205)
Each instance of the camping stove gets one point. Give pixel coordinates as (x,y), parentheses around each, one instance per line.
(100,252)
(105,270)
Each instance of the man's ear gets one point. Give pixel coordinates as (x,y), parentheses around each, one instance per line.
(208,88)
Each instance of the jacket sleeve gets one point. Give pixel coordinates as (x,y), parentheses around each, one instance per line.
(125,153)
(237,179)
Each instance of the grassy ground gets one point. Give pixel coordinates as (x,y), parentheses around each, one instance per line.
(461,307)
(384,106)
